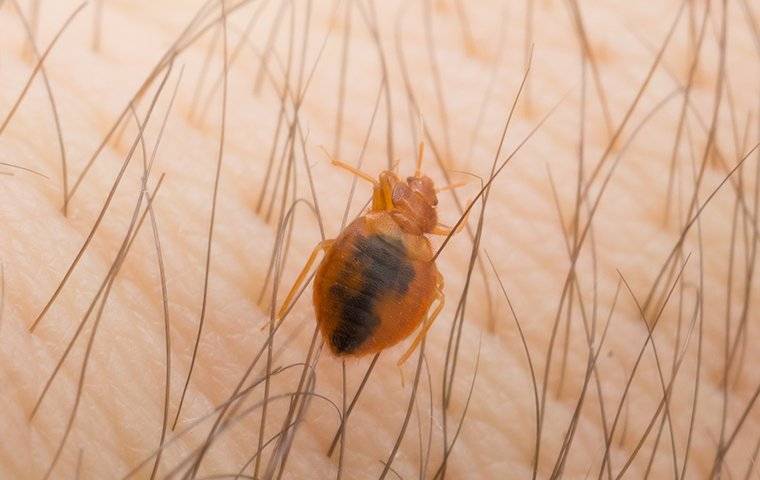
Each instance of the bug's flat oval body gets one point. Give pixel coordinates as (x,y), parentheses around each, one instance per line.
(374,286)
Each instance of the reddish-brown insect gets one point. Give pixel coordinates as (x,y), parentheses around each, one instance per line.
(378,279)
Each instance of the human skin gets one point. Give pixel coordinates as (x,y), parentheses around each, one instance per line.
(118,405)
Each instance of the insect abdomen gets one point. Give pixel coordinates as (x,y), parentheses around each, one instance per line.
(376,269)
(372,289)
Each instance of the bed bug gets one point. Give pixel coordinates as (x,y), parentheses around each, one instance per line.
(378,280)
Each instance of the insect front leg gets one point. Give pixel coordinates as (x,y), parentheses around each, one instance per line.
(337,163)
(446,231)
(439,297)
(324,245)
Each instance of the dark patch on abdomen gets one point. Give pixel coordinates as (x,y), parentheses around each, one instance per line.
(381,262)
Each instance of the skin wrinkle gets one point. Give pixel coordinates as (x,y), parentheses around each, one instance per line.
(119,419)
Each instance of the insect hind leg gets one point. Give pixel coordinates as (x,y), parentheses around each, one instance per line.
(324,245)
(440,298)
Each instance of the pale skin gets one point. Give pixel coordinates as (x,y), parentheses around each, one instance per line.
(459,65)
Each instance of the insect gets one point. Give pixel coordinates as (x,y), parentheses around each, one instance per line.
(378,279)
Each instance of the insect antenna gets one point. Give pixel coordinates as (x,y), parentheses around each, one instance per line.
(420,148)
(394,167)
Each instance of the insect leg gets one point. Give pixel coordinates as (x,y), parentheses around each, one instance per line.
(323,245)
(387,195)
(382,195)
(350,168)
(445,231)
(439,296)
(355,171)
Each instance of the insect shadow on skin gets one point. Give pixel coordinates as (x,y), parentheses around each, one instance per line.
(378,279)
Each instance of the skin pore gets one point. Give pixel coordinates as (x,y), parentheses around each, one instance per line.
(162,183)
